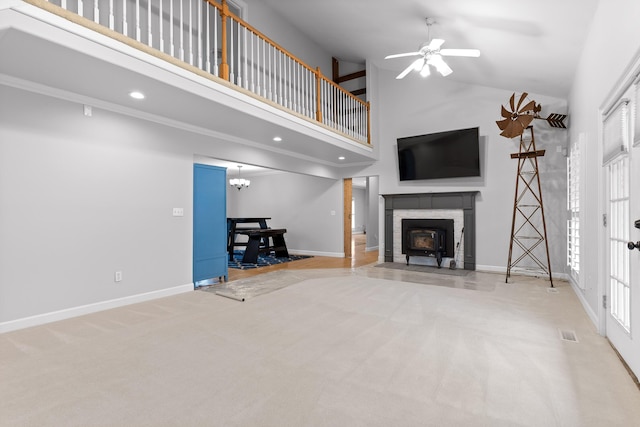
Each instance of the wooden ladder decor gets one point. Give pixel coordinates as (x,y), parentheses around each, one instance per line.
(528,226)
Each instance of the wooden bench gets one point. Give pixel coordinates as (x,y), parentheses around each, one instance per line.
(257,235)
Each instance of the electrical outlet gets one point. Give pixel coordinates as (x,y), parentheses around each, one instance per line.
(118,276)
(178,212)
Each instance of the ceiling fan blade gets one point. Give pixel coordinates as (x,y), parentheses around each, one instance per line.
(473,53)
(441,66)
(435,44)
(401,55)
(407,70)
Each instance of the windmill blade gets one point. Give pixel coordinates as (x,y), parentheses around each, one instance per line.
(407,70)
(529,107)
(502,124)
(401,55)
(473,53)
(505,113)
(435,44)
(522,98)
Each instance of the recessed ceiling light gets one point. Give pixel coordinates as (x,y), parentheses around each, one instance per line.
(341,158)
(136,95)
(277,139)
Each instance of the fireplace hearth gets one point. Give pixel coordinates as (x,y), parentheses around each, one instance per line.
(427,237)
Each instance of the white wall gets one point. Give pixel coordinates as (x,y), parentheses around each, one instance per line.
(415,106)
(611,47)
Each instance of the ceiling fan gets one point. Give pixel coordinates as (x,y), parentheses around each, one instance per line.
(430,54)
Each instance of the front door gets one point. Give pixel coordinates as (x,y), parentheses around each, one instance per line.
(622,286)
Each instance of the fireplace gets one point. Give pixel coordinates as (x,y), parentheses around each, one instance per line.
(427,237)
(425,205)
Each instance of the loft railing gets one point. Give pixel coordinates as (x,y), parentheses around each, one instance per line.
(206,35)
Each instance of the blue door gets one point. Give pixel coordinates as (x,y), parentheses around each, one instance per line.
(209,223)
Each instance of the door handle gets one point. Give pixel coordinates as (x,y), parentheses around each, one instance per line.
(633,246)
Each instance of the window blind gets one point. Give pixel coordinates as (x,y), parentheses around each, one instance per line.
(616,131)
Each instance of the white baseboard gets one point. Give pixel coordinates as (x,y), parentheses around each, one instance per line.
(587,308)
(41,319)
(371,249)
(503,270)
(317,253)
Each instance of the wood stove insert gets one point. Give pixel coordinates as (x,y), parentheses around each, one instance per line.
(427,237)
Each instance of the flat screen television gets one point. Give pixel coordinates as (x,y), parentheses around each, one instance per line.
(450,154)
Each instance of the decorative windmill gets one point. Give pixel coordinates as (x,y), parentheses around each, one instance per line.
(527,206)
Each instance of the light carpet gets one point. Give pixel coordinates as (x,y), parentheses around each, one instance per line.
(335,349)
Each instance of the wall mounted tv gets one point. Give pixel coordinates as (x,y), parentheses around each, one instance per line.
(450,154)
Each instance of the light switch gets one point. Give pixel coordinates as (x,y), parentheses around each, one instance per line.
(178,212)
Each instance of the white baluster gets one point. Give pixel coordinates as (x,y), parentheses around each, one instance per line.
(171,43)
(279,73)
(138,20)
(96,11)
(150,34)
(80,8)
(242,56)
(269,78)
(214,51)
(200,59)
(125,25)
(181,30)
(190,32)
(63,4)
(160,27)
(265,46)
(295,83)
(252,64)
(111,17)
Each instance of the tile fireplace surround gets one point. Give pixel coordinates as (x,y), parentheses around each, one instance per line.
(464,200)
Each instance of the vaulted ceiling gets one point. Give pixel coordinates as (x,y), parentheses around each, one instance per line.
(530,46)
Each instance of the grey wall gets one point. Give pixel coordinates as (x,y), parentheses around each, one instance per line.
(310,208)
(285,34)
(415,106)
(83,197)
(359,196)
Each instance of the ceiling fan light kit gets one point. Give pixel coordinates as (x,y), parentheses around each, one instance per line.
(431,55)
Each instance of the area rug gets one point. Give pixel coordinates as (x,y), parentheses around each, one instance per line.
(263,260)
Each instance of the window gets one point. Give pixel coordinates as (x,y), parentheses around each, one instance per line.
(573,206)
(616,133)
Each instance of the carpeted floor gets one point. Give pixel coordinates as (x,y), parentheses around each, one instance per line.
(336,348)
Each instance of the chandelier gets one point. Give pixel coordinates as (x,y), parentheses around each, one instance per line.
(239,182)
